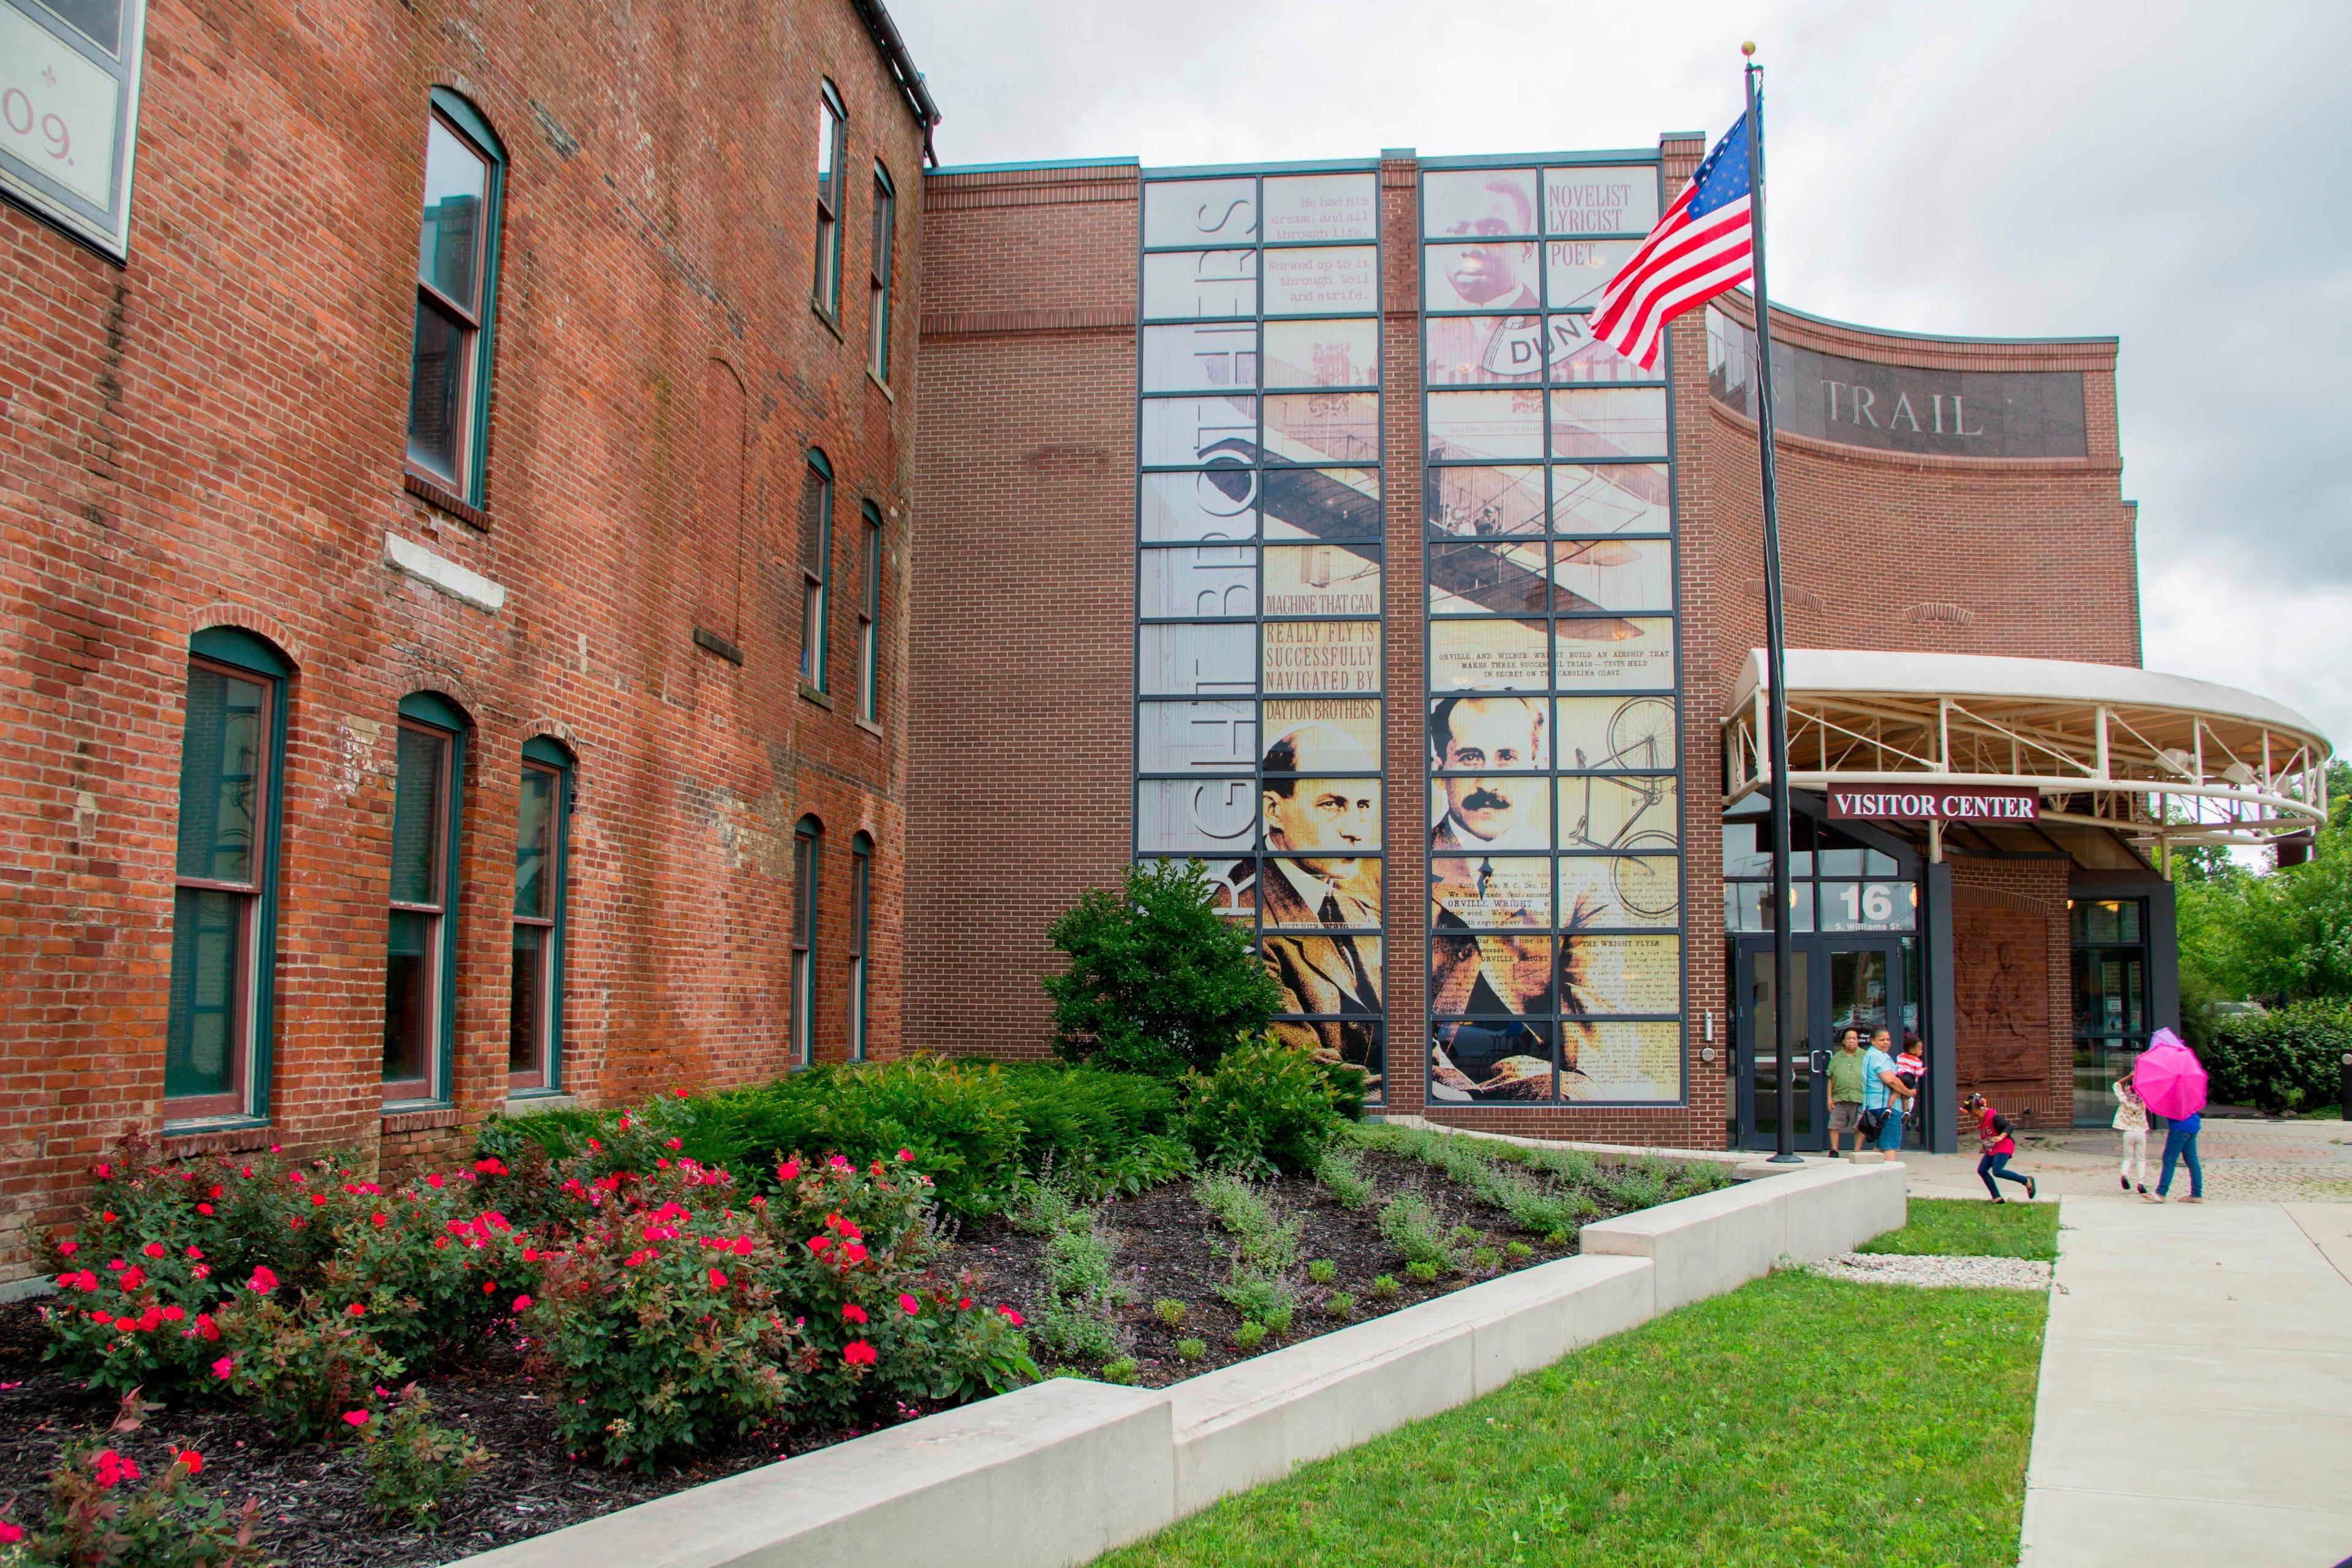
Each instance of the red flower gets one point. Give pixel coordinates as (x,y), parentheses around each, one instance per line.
(833,1161)
(356,1310)
(489,1288)
(192,1460)
(819,1243)
(202,1271)
(205,1328)
(434,1181)
(1011,1316)
(596,1145)
(113,1467)
(117,1265)
(204,1208)
(964,1303)
(522,1304)
(718,1280)
(317,1200)
(149,1318)
(906,1155)
(857,1352)
(104,1172)
(356,1418)
(378,1220)
(908,1304)
(294,1176)
(854,1252)
(10,1533)
(222,1367)
(153,1250)
(675,1143)
(854,1313)
(789,1170)
(194,1251)
(69,1247)
(133,1278)
(217,1189)
(173,1314)
(263,1281)
(126,1324)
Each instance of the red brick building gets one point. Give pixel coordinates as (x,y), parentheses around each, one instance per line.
(470,654)
(486,625)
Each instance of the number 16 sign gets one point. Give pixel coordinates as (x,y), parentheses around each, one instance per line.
(69,112)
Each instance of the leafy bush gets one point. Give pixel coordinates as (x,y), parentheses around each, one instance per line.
(1341,1171)
(98,1518)
(1169,1311)
(413,1465)
(1263,1253)
(1412,1229)
(1250,1335)
(1267,1106)
(1322,1270)
(1122,1370)
(1384,1286)
(2289,1059)
(303,1367)
(1077,1313)
(975,1128)
(1158,981)
(1191,1349)
(1340,1304)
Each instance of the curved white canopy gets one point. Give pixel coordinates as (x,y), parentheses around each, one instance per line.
(2160,756)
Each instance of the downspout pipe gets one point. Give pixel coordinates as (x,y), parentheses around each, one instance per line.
(902,66)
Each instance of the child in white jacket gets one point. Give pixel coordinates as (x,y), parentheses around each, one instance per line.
(2131,1120)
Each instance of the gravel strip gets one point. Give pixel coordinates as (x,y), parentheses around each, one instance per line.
(1893,1268)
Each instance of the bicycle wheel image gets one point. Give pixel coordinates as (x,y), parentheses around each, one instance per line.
(1641,734)
(1646,887)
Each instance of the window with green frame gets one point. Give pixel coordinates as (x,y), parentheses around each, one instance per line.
(420,1005)
(225,892)
(817,565)
(457,289)
(808,840)
(861,915)
(877,280)
(825,290)
(869,617)
(535,1000)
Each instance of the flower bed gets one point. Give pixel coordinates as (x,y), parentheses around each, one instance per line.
(576,1335)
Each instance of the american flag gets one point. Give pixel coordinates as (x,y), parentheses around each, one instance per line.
(1698,249)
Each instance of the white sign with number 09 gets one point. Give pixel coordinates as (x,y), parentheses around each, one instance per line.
(65,125)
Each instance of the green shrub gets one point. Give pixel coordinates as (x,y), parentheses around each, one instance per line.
(1169,1311)
(1267,1107)
(1340,1170)
(305,1368)
(1122,1370)
(1384,1286)
(1412,1229)
(99,1518)
(1322,1270)
(1340,1304)
(1278,1316)
(1250,1335)
(413,1465)
(1077,1315)
(2288,1060)
(1423,1273)
(1485,1260)
(1157,981)
(1191,1349)
(1517,1251)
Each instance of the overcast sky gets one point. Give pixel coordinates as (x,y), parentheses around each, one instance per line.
(2174,176)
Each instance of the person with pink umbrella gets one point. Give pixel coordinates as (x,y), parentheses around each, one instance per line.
(2171,1081)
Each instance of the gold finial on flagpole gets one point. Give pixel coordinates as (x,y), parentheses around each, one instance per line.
(1748,48)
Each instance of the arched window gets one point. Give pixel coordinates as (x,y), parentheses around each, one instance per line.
(861,911)
(420,989)
(225,883)
(817,565)
(808,840)
(457,286)
(542,873)
(826,289)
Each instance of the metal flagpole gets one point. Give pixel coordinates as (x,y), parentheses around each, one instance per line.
(1784,1039)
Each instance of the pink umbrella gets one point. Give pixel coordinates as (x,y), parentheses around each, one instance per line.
(2169,1078)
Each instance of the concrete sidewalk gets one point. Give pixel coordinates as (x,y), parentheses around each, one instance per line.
(2196,1398)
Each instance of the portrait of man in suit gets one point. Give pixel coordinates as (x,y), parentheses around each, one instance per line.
(1505,804)
(1317,897)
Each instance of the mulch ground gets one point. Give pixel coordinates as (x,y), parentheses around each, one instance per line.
(311,1494)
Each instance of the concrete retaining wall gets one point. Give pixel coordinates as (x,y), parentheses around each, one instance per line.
(1056,1474)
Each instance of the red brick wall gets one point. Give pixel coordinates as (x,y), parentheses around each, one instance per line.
(214,434)
(2013,982)
(1022,760)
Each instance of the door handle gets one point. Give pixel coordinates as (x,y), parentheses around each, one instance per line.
(1820,1059)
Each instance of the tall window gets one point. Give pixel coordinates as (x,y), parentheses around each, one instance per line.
(827,288)
(420,996)
(817,565)
(808,837)
(456,267)
(535,1004)
(869,619)
(877,283)
(2112,1014)
(222,914)
(861,904)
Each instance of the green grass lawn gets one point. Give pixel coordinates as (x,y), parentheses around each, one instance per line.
(1963,1228)
(1795,1421)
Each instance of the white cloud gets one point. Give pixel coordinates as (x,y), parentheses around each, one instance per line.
(2172,173)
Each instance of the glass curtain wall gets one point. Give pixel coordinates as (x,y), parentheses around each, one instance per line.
(1259,574)
(1554,815)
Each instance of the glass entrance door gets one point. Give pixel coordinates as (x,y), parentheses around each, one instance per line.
(1835,983)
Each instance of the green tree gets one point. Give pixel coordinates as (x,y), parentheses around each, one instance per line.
(1157,981)
(2279,935)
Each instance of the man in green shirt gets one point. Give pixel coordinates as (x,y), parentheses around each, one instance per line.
(1845,1091)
